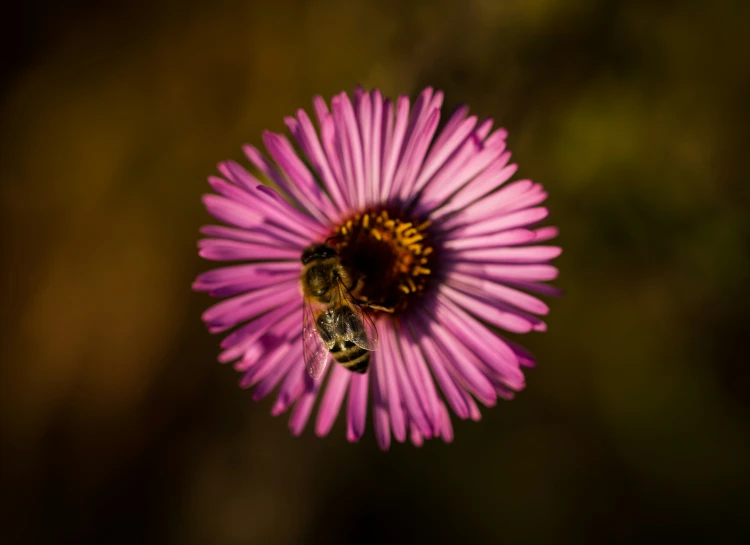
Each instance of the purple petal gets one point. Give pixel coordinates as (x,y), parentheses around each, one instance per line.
(344,150)
(260,324)
(292,191)
(376,145)
(350,138)
(487,312)
(308,139)
(364,121)
(436,360)
(474,157)
(528,254)
(357,407)
(422,126)
(415,436)
(488,346)
(393,393)
(496,291)
(420,378)
(415,155)
(521,218)
(260,274)
(446,429)
(243,307)
(511,237)
(217,249)
(507,199)
(231,192)
(536,287)
(321,108)
(329,138)
(453,135)
(249,345)
(380,401)
(392,149)
(237,174)
(492,178)
(546,233)
(303,184)
(291,389)
(332,399)
(278,359)
(408,394)
(501,273)
(279,371)
(303,407)
(285,215)
(232,212)
(464,365)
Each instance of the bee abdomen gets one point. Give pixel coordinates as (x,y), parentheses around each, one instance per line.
(351,356)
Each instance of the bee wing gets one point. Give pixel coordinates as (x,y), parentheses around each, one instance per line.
(357,327)
(314,348)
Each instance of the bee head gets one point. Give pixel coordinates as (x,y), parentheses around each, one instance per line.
(317,251)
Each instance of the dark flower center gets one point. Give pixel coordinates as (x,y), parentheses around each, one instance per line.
(389,254)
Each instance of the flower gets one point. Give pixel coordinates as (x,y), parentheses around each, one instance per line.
(445,246)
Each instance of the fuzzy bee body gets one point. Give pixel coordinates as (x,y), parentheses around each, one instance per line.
(333,327)
(333,321)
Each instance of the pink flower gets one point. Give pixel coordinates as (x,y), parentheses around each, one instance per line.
(442,237)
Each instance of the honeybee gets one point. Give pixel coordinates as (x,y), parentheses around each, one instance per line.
(334,322)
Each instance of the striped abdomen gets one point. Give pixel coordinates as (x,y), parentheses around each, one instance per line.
(337,327)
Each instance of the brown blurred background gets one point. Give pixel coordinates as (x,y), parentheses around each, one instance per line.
(118,426)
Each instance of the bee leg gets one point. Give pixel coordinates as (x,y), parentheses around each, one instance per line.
(373,306)
(378,307)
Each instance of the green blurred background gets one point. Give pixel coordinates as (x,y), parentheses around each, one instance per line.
(117,424)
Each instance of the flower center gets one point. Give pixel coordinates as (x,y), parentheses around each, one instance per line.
(390,256)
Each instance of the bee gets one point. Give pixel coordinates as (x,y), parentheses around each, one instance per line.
(334,322)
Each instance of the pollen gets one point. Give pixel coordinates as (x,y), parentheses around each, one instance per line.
(388,255)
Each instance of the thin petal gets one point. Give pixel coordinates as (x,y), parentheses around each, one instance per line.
(408,392)
(390,368)
(392,150)
(527,254)
(303,407)
(420,377)
(377,145)
(357,407)
(332,399)
(436,360)
(488,346)
(493,290)
(521,218)
(453,135)
(487,312)
(302,182)
(501,272)
(511,237)
(329,138)
(243,307)
(446,429)
(258,274)
(217,249)
(308,139)
(291,389)
(380,402)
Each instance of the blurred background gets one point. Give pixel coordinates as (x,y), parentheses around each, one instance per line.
(118,426)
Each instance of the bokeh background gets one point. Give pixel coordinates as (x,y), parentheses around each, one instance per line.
(118,426)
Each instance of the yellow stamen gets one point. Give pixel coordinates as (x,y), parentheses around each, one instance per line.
(409,241)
